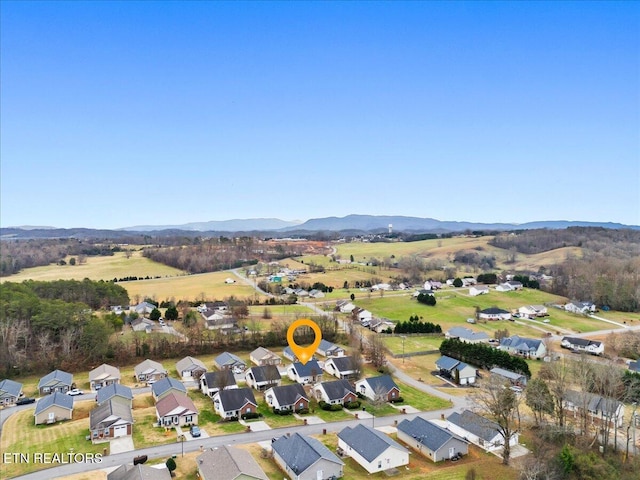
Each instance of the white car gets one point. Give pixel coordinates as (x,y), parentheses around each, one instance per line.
(75,391)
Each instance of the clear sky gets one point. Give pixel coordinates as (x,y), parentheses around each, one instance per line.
(122,113)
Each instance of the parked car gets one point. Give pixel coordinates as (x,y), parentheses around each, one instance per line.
(75,391)
(25,401)
(194,431)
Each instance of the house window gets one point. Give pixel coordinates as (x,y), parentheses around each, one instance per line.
(248,410)
(379,463)
(300,406)
(106,431)
(45,390)
(393,394)
(188,418)
(176,419)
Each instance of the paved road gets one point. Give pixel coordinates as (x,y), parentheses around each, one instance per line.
(165,451)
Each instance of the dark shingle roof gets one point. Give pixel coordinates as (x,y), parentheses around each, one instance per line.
(228,359)
(212,379)
(446,363)
(57,376)
(427,433)
(582,342)
(382,383)
(337,390)
(57,398)
(289,394)
(266,373)
(300,452)
(228,463)
(473,423)
(9,387)
(99,416)
(309,369)
(327,346)
(166,384)
(493,311)
(236,398)
(369,443)
(343,364)
(110,391)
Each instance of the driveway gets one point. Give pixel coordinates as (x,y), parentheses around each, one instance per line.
(121,445)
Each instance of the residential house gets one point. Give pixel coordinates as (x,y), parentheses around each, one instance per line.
(494,313)
(458,371)
(583,308)
(142,324)
(532,311)
(373,450)
(176,409)
(599,410)
(382,326)
(478,430)
(432,285)
(54,408)
(423,291)
(346,308)
(102,376)
(374,387)
(305,458)
(139,472)
(307,373)
(110,420)
(432,441)
(234,402)
(56,381)
(10,392)
(223,323)
(476,290)
(143,308)
(289,355)
(364,315)
(467,335)
(526,347)
(190,368)
(115,393)
(593,347)
(212,382)
(334,392)
(262,378)
(515,379)
(165,386)
(328,349)
(316,293)
(287,397)
(228,463)
(341,367)
(261,356)
(149,371)
(468,281)
(509,286)
(230,361)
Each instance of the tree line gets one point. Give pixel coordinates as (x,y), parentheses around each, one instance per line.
(415,325)
(483,356)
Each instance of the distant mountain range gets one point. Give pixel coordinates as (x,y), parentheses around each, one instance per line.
(351,225)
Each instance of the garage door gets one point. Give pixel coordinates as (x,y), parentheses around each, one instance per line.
(120,431)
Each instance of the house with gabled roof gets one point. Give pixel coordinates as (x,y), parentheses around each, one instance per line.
(165,386)
(458,371)
(212,382)
(234,402)
(514,378)
(102,376)
(307,373)
(227,360)
(142,324)
(228,463)
(476,290)
(56,381)
(341,367)
(598,409)
(262,378)
(335,392)
(262,356)
(494,313)
(305,458)
(432,441)
(467,335)
(53,408)
(532,311)
(593,347)
(139,472)
(149,371)
(583,308)
(110,420)
(526,347)
(143,308)
(328,349)
(287,397)
(372,450)
(115,393)
(374,387)
(478,430)
(176,409)
(10,392)
(190,368)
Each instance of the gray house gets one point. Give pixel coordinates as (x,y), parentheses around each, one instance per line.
(102,376)
(190,368)
(10,392)
(230,361)
(139,472)
(212,382)
(373,450)
(110,420)
(149,371)
(262,378)
(165,386)
(53,408)
(305,458)
(116,393)
(228,463)
(56,381)
(430,440)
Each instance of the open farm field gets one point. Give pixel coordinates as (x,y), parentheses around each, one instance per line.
(336,278)
(203,286)
(412,343)
(98,268)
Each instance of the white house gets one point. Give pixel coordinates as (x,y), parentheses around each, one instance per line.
(532,311)
(494,313)
(234,402)
(364,315)
(263,377)
(476,290)
(337,391)
(374,387)
(347,307)
(373,450)
(458,371)
(593,347)
(434,442)
(287,397)
(308,373)
(583,308)
(467,335)
(478,430)
(527,347)
(341,367)
(305,458)
(509,286)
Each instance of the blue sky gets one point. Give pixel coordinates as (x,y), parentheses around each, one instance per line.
(122,113)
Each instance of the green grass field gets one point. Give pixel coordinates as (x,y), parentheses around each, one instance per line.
(412,343)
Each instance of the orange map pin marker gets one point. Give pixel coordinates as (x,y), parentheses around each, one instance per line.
(304,354)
